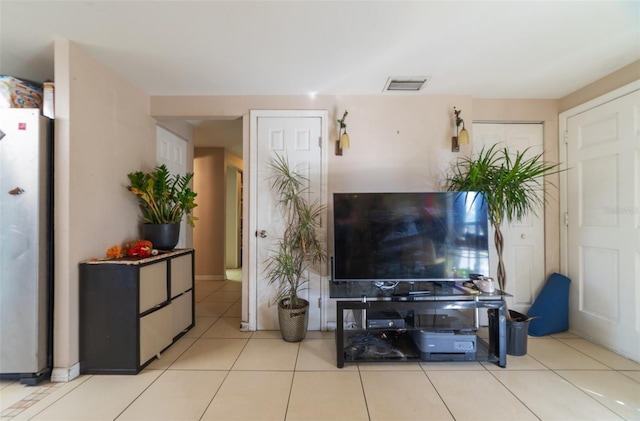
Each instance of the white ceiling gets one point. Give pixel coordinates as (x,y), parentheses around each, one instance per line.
(516,49)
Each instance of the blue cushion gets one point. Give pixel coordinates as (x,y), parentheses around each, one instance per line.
(551,309)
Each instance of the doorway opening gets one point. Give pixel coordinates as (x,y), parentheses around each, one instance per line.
(217,164)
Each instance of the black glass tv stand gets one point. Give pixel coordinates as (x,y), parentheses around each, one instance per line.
(417,322)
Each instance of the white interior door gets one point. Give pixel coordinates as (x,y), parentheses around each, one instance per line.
(523,240)
(603,214)
(297,135)
(171,150)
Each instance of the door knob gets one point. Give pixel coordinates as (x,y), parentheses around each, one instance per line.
(16,191)
(523,236)
(261,234)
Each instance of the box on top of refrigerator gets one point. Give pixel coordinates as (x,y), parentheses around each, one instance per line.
(17,93)
(48,108)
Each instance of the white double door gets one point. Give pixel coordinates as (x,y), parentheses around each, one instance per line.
(523,240)
(299,137)
(602,203)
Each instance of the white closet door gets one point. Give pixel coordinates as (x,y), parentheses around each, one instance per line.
(172,151)
(523,240)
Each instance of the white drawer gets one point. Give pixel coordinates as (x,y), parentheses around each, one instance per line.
(182,312)
(181,274)
(153,285)
(156,333)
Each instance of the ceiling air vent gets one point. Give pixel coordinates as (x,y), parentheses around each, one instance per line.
(405,84)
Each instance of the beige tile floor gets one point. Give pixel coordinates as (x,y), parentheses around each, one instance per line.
(216,372)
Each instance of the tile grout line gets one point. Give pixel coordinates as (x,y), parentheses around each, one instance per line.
(293,379)
(41,392)
(45,389)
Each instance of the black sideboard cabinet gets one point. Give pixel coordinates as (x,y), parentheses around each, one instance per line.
(133,309)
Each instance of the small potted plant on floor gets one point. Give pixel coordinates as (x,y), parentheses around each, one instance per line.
(511,185)
(298,248)
(164,199)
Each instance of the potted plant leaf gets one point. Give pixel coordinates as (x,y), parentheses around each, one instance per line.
(511,186)
(164,199)
(297,249)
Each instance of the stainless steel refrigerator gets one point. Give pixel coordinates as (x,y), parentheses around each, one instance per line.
(26,244)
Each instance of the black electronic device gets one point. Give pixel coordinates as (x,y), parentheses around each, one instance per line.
(422,236)
(384,320)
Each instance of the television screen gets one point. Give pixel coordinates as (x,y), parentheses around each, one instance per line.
(409,236)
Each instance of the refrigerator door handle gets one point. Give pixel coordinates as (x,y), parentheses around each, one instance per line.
(16,191)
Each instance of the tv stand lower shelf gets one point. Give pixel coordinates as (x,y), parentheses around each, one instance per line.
(398,336)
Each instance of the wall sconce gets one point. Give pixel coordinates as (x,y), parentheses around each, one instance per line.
(461,138)
(343,141)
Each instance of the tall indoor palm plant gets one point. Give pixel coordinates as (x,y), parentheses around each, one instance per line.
(512,185)
(299,246)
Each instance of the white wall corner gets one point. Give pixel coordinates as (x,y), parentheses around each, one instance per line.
(65,374)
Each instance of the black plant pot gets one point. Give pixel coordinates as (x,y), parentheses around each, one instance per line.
(162,236)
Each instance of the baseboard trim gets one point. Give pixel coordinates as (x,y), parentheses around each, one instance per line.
(211,277)
(64,374)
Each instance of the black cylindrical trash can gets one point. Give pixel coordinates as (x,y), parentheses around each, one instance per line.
(517,331)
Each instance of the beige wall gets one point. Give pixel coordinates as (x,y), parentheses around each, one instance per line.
(103,132)
(208,235)
(600,87)
(397,142)
(233,160)
(179,127)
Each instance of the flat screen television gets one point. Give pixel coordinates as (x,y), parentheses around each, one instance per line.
(429,236)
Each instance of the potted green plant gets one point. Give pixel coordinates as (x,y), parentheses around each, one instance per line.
(298,248)
(164,199)
(510,184)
